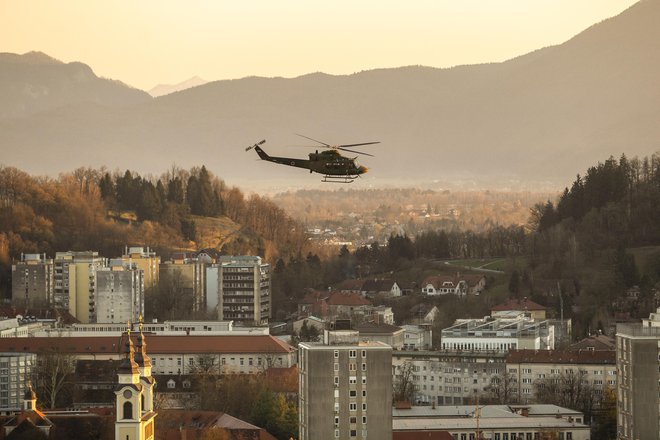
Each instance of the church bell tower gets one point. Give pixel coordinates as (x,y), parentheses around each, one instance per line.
(134,393)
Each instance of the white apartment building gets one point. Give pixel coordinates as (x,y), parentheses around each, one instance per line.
(15,371)
(501,334)
(119,293)
(244,290)
(448,377)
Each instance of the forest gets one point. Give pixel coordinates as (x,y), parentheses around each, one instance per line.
(93,209)
(585,248)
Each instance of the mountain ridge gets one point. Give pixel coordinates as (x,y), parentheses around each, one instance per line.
(566,105)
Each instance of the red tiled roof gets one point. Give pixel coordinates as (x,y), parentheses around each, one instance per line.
(347,299)
(516,304)
(351,285)
(156,344)
(421,435)
(604,357)
(595,342)
(378,285)
(438,280)
(314,297)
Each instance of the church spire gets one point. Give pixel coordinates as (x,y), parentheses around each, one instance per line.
(128,365)
(141,357)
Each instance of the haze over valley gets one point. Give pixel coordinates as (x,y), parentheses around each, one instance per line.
(533,121)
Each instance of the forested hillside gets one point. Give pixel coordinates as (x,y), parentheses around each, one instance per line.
(91,209)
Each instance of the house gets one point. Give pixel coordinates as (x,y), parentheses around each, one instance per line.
(417,337)
(475,284)
(444,284)
(424,313)
(347,305)
(310,321)
(381,287)
(314,303)
(382,315)
(388,334)
(597,342)
(527,306)
(350,286)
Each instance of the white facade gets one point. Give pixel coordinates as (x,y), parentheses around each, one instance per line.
(244,290)
(15,372)
(499,334)
(119,293)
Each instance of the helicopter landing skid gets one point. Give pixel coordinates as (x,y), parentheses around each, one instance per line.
(339,179)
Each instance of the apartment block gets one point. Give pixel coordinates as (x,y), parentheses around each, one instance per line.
(638,386)
(145,259)
(189,274)
(75,283)
(120,293)
(244,290)
(345,388)
(15,371)
(32,281)
(448,377)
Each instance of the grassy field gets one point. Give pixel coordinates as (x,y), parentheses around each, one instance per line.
(215,232)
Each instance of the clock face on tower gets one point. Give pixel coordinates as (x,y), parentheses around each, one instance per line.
(127,394)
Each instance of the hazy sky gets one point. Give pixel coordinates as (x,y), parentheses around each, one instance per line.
(146,42)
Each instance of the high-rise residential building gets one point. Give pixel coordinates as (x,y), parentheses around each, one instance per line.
(244,290)
(145,259)
(638,378)
(345,388)
(119,292)
(75,283)
(187,274)
(15,372)
(32,281)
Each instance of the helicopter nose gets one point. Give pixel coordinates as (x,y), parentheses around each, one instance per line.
(362,169)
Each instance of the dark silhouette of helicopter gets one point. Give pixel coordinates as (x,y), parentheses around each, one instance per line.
(334,167)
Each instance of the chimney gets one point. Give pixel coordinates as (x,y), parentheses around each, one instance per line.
(525,412)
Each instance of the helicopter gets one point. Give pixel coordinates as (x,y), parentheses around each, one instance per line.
(334,167)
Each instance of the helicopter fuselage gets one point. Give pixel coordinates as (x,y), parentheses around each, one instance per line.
(328,163)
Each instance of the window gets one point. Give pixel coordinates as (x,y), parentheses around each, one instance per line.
(352,393)
(128,410)
(364,420)
(352,419)
(364,353)
(352,353)
(352,406)
(364,407)
(353,432)
(364,367)
(336,354)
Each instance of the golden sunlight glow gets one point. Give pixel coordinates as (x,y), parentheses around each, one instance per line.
(154,41)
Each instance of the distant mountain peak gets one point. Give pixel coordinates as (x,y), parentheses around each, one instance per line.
(33,58)
(166,89)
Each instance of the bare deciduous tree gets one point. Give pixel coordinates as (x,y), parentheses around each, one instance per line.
(52,375)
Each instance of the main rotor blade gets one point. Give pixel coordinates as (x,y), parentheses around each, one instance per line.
(354,151)
(357,145)
(322,143)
